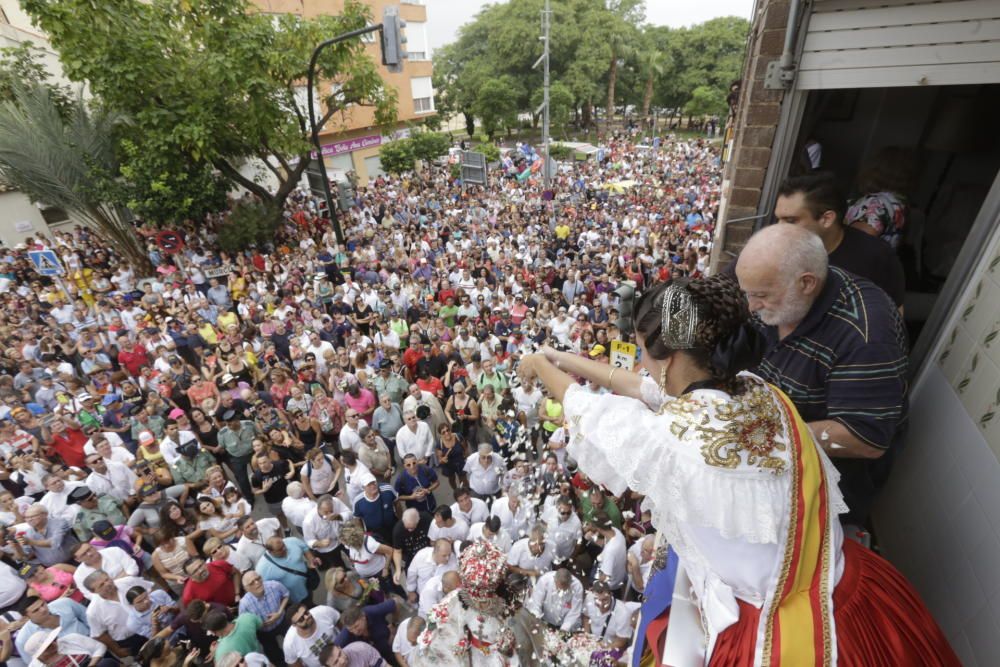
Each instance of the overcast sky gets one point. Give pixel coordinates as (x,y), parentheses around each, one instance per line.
(444,17)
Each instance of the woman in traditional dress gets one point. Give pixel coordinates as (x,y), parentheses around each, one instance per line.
(739,489)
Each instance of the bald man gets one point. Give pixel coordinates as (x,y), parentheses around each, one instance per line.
(837,346)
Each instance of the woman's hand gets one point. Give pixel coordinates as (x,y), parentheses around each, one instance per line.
(549,353)
(528,368)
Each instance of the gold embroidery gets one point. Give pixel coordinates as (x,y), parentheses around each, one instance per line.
(751,426)
(578,438)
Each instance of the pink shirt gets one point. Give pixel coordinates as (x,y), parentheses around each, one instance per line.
(363,403)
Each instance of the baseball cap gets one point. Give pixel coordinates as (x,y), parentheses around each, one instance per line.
(597,350)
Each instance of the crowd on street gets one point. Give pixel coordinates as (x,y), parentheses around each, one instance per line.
(278,455)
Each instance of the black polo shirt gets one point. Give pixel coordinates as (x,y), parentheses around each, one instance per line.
(872,258)
(847,361)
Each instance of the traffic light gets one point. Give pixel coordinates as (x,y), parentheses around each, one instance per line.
(393,40)
(345,196)
(626,300)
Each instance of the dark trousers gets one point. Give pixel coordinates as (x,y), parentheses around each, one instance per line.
(271,642)
(238,464)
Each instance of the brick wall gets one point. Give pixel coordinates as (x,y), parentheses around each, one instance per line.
(756,119)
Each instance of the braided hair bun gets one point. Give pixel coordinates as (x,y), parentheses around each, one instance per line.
(725,341)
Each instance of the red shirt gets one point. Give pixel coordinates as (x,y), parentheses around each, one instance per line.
(432,385)
(133,360)
(411,357)
(218,587)
(69,445)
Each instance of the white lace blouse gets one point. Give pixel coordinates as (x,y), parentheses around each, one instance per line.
(715,474)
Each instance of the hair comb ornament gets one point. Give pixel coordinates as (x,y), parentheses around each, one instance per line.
(679,318)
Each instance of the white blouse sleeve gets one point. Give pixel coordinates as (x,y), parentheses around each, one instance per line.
(621,444)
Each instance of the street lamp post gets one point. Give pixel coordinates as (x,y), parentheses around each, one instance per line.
(392,56)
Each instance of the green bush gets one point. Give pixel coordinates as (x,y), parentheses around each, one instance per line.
(491,152)
(397,156)
(249,224)
(560,152)
(456,170)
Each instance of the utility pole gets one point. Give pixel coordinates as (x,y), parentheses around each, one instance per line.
(546,139)
(544,110)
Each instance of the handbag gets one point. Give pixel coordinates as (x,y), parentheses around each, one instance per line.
(310,575)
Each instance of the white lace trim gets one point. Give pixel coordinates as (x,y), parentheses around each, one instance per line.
(620,443)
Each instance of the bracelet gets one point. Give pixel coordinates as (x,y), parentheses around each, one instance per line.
(611,374)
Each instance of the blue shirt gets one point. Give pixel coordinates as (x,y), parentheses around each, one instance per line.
(293,560)
(72,620)
(274,593)
(406,484)
(378,628)
(379,515)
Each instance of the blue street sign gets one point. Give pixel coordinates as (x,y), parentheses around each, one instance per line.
(46,262)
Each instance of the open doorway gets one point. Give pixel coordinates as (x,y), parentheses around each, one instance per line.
(952,147)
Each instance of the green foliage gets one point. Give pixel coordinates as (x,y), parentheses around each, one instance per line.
(65,157)
(455,170)
(428,146)
(706,101)
(496,104)
(560,103)
(21,66)
(560,152)
(250,224)
(397,156)
(490,151)
(212,83)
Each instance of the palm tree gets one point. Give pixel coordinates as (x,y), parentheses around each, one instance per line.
(622,19)
(65,157)
(653,64)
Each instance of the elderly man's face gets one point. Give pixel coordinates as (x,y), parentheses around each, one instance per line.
(776,299)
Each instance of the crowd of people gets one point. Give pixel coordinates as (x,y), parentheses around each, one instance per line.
(280,455)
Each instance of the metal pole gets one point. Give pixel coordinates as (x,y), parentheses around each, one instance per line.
(545,99)
(314,129)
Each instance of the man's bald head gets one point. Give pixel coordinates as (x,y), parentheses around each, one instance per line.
(450,581)
(782,270)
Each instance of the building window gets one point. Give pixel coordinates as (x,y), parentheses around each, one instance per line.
(423,94)
(368,38)
(416,41)
(413,2)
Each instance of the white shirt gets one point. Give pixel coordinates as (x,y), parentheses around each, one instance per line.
(520,556)
(307,649)
(501,539)
(400,644)
(423,567)
(368,562)
(615,623)
(456,532)
(315,527)
(118,482)
(430,595)
(484,481)
(349,437)
(12,586)
(635,551)
(419,443)
(478,513)
(562,535)
(296,509)
(266,529)
(112,616)
(169,448)
(527,402)
(115,563)
(516,522)
(58,503)
(76,644)
(613,561)
(561,608)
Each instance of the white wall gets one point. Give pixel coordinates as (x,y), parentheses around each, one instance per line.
(938,519)
(19,219)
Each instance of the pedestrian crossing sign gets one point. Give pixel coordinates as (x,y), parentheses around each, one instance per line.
(46,263)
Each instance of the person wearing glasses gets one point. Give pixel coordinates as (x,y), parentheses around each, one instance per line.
(269,600)
(311,630)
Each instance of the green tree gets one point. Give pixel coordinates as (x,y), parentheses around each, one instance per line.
(428,146)
(621,33)
(22,66)
(397,156)
(496,104)
(249,224)
(560,103)
(65,157)
(653,63)
(706,101)
(213,83)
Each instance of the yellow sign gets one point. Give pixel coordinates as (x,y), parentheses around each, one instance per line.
(623,355)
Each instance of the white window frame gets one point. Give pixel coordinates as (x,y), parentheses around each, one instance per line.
(425,103)
(417,29)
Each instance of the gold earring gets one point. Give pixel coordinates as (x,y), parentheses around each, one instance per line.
(663,379)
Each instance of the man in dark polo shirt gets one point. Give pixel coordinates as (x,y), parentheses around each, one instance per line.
(814,201)
(836,345)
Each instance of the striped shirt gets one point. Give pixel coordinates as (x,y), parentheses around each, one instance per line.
(847,361)
(274,593)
